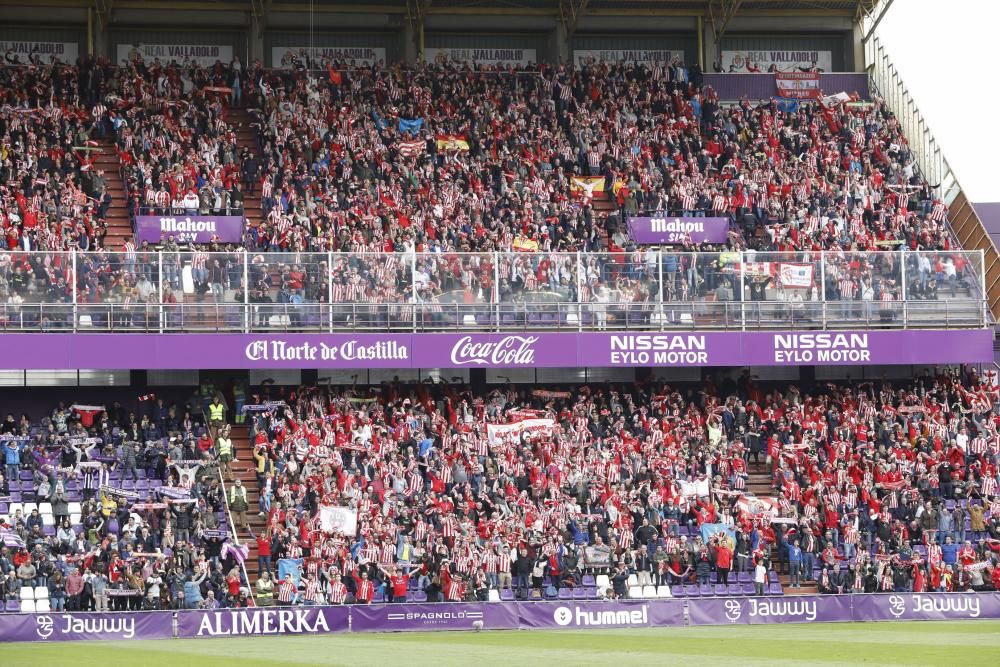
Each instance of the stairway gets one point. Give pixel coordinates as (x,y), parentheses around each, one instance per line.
(759,484)
(119,223)
(245,470)
(241,121)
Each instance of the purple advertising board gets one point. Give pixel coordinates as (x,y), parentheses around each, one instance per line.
(408,617)
(527,350)
(763,610)
(608,614)
(63,626)
(663,229)
(189,228)
(262,621)
(926,606)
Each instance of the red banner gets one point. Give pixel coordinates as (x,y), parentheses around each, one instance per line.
(797,84)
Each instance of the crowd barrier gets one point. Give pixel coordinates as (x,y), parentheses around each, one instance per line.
(554,615)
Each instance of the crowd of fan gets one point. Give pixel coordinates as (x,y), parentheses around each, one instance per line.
(438,157)
(51,195)
(876,488)
(356,161)
(127,511)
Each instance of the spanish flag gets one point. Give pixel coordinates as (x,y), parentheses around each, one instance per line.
(524,244)
(586,185)
(452,142)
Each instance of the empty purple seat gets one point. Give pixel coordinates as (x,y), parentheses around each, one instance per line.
(507,595)
(772,576)
(589,580)
(705,589)
(591,592)
(691,590)
(565,594)
(419,596)
(378,597)
(13,605)
(26,476)
(744,578)
(677,591)
(734,589)
(579,593)
(720,589)
(748,589)
(775,589)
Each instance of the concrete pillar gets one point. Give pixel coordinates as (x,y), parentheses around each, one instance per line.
(102,39)
(409,42)
(255,42)
(712,54)
(562,43)
(859,63)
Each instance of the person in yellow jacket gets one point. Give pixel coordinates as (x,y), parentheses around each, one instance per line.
(238,504)
(265,590)
(216,415)
(224,450)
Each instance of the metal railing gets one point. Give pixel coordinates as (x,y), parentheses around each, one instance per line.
(236,539)
(884,79)
(646,289)
(563,316)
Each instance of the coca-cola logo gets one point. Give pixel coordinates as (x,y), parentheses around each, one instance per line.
(507,351)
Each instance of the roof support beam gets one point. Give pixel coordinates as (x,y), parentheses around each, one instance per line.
(570,12)
(720,13)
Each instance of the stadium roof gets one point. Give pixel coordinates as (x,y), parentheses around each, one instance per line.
(688,6)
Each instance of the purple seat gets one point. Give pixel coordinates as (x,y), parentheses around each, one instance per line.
(507,595)
(591,592)
(13,605)
(579,593)
(775,589)
(677,591)
(691,591)
(744,578)
(772,576)
(565,594)
(734,589)
(419,596)
(589,580)
(705,589)
(720,589)
(748,589)
(378,597)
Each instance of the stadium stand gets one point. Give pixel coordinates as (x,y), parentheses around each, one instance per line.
(441,196)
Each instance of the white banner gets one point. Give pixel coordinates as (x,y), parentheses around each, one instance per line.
(202,54)
(66,52)
(336,519)
(281,56)
(497,432)
(796,275)
(643,56)
(698,488)
(836,98)
(783,61)
(481,56)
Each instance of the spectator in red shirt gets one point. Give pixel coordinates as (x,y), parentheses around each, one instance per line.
(399,582)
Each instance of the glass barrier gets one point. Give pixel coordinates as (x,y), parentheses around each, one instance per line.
(643,289)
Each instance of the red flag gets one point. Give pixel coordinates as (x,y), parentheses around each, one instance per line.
(335,76)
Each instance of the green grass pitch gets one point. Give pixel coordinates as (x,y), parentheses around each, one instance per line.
(963,644)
